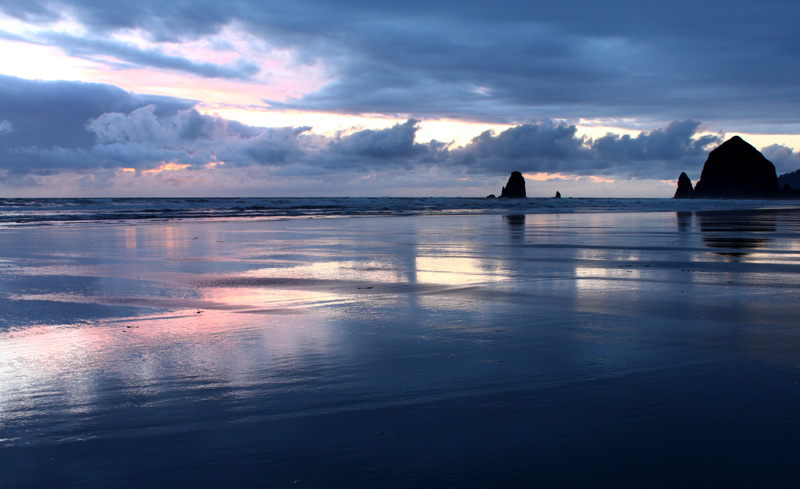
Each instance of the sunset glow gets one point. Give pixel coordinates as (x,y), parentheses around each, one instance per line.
(346,95)
(390,245)
(167,167)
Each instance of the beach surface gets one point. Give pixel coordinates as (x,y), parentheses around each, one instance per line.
(633,349)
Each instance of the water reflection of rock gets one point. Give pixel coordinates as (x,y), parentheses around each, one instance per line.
(736,230)
(684,220)
(516,225)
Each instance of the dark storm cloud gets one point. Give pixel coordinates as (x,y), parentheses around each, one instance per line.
(515,61)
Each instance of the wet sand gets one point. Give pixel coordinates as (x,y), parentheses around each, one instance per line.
(573,350)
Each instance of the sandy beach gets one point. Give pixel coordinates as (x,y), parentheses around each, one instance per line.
(650,349)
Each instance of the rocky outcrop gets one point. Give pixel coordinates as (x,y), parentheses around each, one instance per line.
(515,188)
(685,189)
(791,179)
(790,185)
(558,195)
(737,170)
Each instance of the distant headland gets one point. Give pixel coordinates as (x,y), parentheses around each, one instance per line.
(735,170)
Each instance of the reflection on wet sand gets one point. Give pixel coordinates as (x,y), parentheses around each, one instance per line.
(516,226)
(391,336)
(733,234)
(684,220)
(515,221)
(738,231)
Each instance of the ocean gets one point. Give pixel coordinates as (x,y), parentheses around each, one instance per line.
(65,210)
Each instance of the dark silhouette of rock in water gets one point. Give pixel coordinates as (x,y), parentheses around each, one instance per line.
(515,188)
(790,185)
(491,196)
(737,170)
(558,195)
(685,189)
(791,179)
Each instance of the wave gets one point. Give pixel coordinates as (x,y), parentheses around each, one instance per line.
(68,210)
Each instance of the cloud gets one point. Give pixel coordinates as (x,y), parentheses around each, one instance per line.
(142,140)
(516,63)
(100,130)
(672,142)
(17,181)
(37,12)
(128,55)
(48,114)
(543,140)
(785,159)
(554,147)
(5,127)
(49,161)
(392,143)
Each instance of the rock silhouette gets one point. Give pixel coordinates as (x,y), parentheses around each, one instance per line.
(558,195)
(736,169)
(515,188)
(685,189)
(791,179)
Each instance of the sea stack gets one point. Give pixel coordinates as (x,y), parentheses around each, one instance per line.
(685,189)
(737,170)
(515,188)
(791,179)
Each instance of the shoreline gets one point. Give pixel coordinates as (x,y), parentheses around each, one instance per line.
(33,212)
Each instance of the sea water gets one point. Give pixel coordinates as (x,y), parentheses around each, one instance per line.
(39,211)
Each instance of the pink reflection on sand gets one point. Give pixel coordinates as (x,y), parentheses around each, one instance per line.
(67,367)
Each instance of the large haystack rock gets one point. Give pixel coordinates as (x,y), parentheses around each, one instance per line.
(737,170)
(515,188)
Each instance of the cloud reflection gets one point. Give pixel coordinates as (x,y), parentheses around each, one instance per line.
(314,314)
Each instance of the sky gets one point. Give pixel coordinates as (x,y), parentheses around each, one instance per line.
(373,98)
